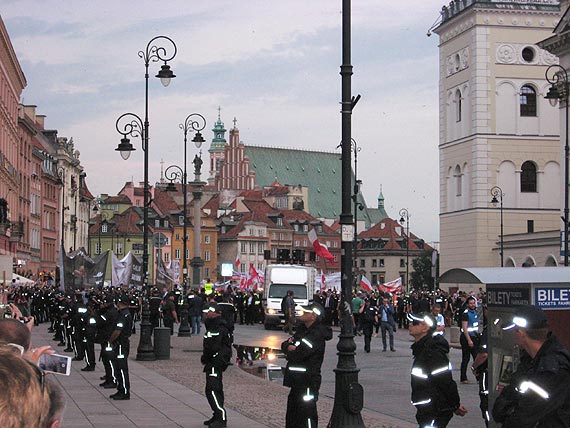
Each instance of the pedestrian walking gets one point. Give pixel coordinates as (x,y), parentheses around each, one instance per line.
(538,394)
(469,338)
(368,317)
(387,323)
(434,392)
(216,356)
(288,309)
(305,351)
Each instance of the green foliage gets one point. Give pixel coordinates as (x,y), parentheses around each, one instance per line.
(420,277)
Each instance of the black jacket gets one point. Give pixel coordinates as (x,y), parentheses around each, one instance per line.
(521,404)
(434,392)
(217,345)
(304,363)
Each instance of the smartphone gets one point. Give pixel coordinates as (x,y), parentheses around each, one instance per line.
(54,363)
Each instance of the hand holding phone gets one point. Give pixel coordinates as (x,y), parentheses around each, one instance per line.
(54,363)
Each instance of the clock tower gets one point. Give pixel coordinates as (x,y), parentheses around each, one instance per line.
(217,147)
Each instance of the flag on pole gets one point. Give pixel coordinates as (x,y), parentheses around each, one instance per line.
(320,249)
(238,261)
(392,286)
(365,284)
(323,281)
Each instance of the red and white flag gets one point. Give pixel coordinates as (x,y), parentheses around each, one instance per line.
(237,262)
(321,249)
(323,281)
(365,284)
(392,286)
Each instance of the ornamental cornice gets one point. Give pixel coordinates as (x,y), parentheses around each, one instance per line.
(496,17)
(556,45)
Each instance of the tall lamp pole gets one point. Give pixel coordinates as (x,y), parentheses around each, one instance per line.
(497,191)
(357,206)
(61,182)
(560,90)
(348,394)
(131,124)
(405,218)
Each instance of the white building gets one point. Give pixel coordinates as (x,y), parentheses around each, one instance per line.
(496,129)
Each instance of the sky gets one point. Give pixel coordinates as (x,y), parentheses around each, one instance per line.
(273,65)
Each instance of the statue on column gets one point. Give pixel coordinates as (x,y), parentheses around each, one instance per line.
(197,164)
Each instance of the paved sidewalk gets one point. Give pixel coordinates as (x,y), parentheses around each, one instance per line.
(155,400)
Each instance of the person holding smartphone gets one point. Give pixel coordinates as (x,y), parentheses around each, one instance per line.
(121,346)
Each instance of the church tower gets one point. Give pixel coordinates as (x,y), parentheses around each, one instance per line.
(496,129)
(217,147)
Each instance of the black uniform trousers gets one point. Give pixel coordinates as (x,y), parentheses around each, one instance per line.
(89,347)
(367,329)
(302,408)
(121,365)
(467,353)
(107,358)
(215,392)
(437,421)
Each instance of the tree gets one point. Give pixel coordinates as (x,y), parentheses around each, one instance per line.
(421,277)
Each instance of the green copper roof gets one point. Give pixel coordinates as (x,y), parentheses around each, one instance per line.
(219,140)
(320,172)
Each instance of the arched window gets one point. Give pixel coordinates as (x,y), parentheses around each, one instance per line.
(458,105)
(457,181)
(528,101)
(528,177)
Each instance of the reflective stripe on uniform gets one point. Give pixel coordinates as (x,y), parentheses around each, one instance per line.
(298,369)
(417,372)
(526,385)
(420,403)
(441,369)
(306,342)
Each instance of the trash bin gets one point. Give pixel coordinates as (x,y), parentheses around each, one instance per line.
(162,343)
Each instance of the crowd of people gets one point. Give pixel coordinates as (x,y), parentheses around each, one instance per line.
(80,320)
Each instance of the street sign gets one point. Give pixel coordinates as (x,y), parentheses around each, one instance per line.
(347,232)
(138,247)
(159,240)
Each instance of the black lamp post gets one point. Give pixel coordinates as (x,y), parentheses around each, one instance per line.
(497,191)
(405,218)
(61,182)
(348,394)
(133,125)
(560,90)
(357,206)
(194,122)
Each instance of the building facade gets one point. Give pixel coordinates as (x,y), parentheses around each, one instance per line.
(496,129)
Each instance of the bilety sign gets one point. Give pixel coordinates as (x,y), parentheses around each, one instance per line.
(552,297)
(508,296)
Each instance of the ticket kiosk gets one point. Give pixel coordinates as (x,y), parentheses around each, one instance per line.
(507,288)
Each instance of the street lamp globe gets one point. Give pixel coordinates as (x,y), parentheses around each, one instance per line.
(165,74)
(198,140)
(125,148)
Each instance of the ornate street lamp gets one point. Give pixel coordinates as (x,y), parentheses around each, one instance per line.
(497,191)
(405,218)
(560,91)
(129,124)
(194,123)
(61,182)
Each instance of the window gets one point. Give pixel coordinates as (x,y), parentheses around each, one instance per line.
(166,257)
(304,242)
(305,228)
(177,237)
(259,232)
(279,221)
(362,263)
(374,263)
(458,181)
(381,262)
(104,228)
(187,254)
(252,232)
(296,227)
(252,247)
(374,278)
(181,220)
(335,244)
(297,243)
(528,177)
(119,248)
(382,278)
(165,223)
(206,239)
(528,101)
(242,268)
(260,247)
(207,255)
(243,247)
(402,262)
(98,248)
(177,254)
(206,272)
(157,223)
(528,54)
(458,106)
(530,226)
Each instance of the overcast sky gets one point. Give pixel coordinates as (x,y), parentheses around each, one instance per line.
(274,65)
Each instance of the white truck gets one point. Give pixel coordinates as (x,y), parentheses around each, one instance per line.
(278,280)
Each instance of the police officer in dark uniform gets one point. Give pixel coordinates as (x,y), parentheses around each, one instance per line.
(368,317)
(89,334)
(434,392)
(216,356)
(305,351)
(538,394)
(121,346)
(105,326)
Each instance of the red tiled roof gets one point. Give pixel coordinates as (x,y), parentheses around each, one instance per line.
(118,199)
(386,230)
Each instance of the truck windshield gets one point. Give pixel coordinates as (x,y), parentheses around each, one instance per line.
(280,290)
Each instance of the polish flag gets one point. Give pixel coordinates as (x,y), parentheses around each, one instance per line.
(392,286)
(365,284)
(237,262)
(323,281)
(321,249)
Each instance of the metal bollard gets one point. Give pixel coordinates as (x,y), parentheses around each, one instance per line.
(162,343)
